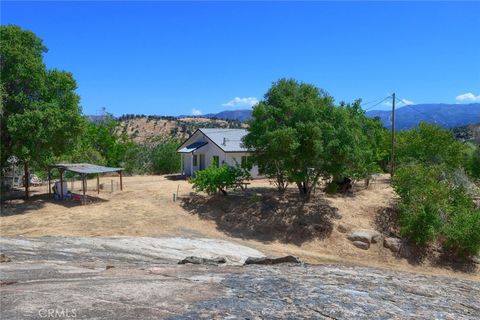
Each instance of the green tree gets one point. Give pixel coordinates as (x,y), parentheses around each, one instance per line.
(165,158)
(40,112)
(430,144)
(299,136)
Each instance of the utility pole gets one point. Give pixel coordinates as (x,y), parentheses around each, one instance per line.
(392,160)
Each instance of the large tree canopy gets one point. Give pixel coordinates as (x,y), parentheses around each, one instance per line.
(40,112)
(300,136)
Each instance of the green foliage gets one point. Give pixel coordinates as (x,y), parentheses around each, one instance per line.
(462,233)
(214,179)
(40,112)
(102,144)
(300,136)
(423,196)
(435,206)
(165,158)
(475,163)
(430,144)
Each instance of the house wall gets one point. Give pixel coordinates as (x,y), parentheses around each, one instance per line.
(210,150)
(186,165)
(234,158)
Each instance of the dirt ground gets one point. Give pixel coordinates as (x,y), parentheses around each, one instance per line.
(146,208)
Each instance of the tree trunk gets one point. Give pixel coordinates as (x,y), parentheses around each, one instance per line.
(27,180)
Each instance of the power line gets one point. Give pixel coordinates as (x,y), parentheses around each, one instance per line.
(421,112)
(376,104)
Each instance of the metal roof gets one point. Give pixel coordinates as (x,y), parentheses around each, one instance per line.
(192,147)
(84,168)
(229,140)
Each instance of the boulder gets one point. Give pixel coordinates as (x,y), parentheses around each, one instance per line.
(476,259)
(336,214)
(341,228)
(4,258)
(394,244)
(198,260)
(367,236)
(361,245)
(269,261)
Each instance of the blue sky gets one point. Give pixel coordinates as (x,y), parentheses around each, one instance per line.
(192,57)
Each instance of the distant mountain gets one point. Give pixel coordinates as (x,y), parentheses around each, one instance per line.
(446,115)
(240,115)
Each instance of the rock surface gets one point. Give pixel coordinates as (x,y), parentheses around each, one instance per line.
(270,261)
(4,258)
(127,249)
(198,260)
(361,245)
(341,228)
(394,244)
(368,236)
(158,288)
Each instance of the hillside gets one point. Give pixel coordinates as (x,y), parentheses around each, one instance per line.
(141,129)
(446,115)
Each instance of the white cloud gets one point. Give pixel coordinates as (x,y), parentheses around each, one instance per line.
(401,103)
(241,102)
(196,112)
(467,97)
(406,102)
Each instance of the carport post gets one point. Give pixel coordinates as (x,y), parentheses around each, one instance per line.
(61,182)
(98,184)
(49,183)
(121,182)
(83,187)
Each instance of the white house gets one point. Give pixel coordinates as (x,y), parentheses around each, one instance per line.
(208,147)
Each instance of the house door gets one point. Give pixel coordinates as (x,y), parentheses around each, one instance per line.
(202,161)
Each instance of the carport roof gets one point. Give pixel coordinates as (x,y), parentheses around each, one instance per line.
(84,168)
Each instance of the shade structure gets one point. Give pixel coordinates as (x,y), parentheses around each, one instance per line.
(84,168)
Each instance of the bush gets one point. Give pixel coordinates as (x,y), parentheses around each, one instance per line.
(435,206)
(165,158)
(420,226)
(214,179)
(462,233)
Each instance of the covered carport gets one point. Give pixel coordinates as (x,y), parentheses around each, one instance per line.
(83,169)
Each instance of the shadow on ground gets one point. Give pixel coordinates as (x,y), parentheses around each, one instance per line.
(263,215)
(20,206)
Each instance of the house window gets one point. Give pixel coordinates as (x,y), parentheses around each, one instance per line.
(194,160)
(215,161)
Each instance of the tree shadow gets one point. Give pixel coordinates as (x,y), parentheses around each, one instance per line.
(386,221)
(35,202)
(448,260)
(175,177)
(261,214)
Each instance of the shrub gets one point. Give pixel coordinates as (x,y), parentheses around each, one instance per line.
(436,205)
(462,233)
(420,226)
(165,158)
(214,179)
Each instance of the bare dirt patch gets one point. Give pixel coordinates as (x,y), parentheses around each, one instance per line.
(273,225)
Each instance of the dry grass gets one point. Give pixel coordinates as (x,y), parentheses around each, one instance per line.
(258,219)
